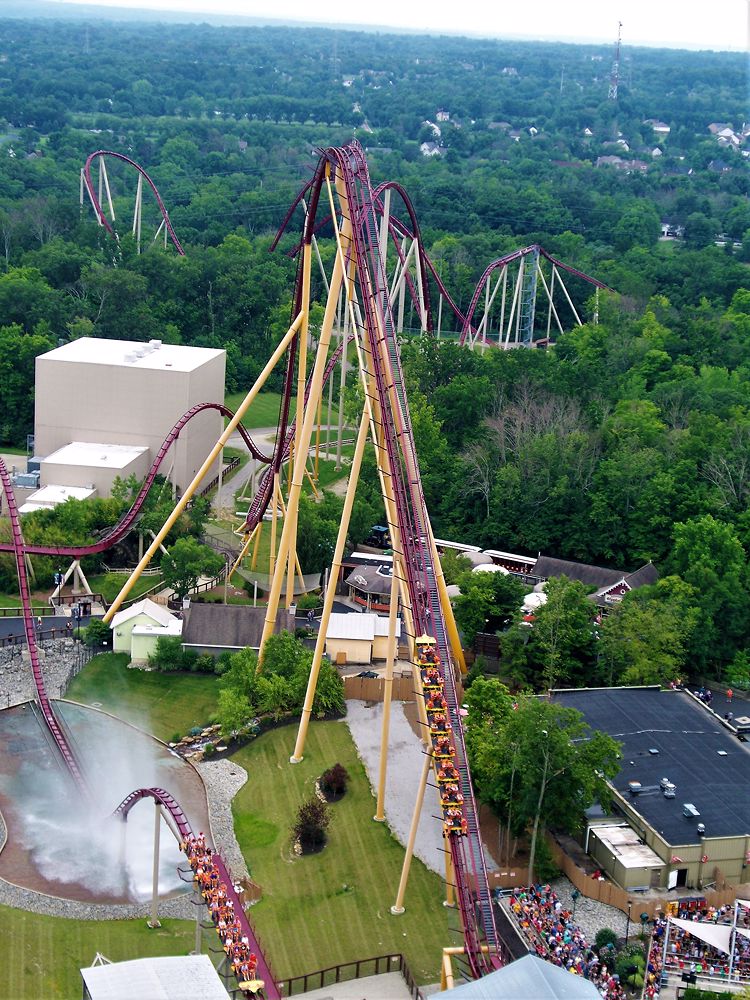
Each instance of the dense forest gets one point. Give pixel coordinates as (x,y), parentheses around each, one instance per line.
(628,441)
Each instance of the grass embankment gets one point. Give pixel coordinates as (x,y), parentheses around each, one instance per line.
(263,412)
(109,585)
(162,704)
(42,955)
(334,906)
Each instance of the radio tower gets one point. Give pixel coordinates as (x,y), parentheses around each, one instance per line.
(615,77)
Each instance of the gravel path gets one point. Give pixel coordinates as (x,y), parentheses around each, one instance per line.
(405,762)
(592,915)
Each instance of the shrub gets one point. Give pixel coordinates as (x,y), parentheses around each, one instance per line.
(605,937)
(313,819)
(334,780)
(209,750)
(97,633)
(309,602)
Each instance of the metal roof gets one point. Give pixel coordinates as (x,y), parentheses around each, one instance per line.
(527,977)
(189,977)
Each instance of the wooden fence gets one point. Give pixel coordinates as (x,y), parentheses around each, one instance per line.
(372,688)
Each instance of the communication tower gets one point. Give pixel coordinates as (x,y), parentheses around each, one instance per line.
(615,76)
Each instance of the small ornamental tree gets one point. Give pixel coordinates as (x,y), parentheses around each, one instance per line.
(334,781)
(311,824)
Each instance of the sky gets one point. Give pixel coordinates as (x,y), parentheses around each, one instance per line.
(708,24)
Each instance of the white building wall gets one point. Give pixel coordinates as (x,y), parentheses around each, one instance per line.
(88,391)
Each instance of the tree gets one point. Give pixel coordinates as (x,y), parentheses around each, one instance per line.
(185,562)
(646,638)
(535,761)
(489,602)
(563,635)
(709,556)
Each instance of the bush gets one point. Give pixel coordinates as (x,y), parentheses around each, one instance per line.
(310,602)
(605,937)
(97,633)
(334,780)
(209,750)
(311,824)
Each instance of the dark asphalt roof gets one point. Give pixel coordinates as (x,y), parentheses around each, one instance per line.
(235,626)
(688,739)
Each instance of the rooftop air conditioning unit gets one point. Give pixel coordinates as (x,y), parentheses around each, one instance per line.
(689,810)
(634,787)
(669,790)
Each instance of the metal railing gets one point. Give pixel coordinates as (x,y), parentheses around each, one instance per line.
(346,971)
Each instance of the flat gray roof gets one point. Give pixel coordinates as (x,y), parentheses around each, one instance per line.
(702,758)
(133,354)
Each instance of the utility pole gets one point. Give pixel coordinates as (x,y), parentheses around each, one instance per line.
(615,75)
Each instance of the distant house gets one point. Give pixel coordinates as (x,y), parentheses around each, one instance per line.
(503,126)
(443,116)
(135,630)
(660,128)
(221,628)
(436,133)
(515,134)
(719,167)
(242,145)
(671,230)
(587,132)
(629,166)
(509,71)
(430,149)
(656,153)
(716,128)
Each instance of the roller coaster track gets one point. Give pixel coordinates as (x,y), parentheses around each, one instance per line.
(56,729)
(45,705)
(120,530)
(481,940)
(101,215)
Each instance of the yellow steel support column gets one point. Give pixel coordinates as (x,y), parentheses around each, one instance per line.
(387,692)
(256,547)
(398,907)
(304,444)
(274,509)
(450,879)
(325,617)
(201,473)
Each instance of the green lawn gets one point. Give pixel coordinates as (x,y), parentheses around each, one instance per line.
(264,411)
(162,704)
(109,585)
(42,955)
(334,906)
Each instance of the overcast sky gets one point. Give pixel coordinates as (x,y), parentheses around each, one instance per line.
(714,24)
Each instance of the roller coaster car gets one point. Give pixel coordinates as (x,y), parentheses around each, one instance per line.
(431,679)
(443,748)
(439,724)
(447,774)
(450,795)
(436,704)
(455,822)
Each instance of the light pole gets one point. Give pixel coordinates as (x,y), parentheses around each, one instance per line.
(627,925)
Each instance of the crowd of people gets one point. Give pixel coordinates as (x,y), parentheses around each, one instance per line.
(549,928)
(687,953)
(236,944)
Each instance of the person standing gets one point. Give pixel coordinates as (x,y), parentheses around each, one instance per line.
(730,692)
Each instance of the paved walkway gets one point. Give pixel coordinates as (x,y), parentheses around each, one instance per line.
(405,762)
(389,986)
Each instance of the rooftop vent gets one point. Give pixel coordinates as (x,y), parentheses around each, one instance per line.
(689,810)
(722,753)
(664,782)
(669,790)
(653,751)
(701,828)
